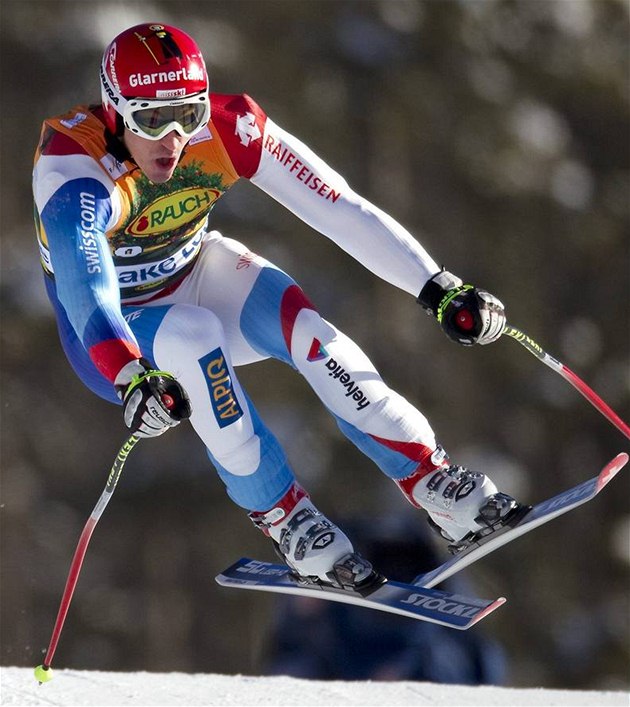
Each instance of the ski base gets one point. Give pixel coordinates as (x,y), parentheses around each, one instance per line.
(444,608)
(541,513)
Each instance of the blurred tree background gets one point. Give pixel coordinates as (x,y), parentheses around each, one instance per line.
(497,131)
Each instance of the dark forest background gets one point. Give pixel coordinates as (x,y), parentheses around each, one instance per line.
(498,133)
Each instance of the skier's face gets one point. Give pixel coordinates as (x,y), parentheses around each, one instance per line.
(156,158)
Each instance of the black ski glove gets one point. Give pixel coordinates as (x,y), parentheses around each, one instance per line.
(153,401)
(467,314)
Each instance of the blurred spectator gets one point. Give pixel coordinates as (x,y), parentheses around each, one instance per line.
(326,640)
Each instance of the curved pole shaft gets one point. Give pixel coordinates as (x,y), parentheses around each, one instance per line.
(569,376)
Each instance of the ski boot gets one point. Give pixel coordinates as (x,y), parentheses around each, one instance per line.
(315,549)
(463,506)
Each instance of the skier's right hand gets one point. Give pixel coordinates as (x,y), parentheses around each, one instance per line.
(153,401)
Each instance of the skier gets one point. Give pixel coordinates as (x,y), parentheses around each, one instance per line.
(155,310)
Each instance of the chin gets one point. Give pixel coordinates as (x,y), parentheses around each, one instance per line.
(159,177)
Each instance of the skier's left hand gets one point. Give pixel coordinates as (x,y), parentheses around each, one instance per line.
(467,314)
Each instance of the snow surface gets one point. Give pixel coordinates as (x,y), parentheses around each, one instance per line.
(82,688)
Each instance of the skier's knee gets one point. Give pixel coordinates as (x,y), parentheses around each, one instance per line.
(186,334)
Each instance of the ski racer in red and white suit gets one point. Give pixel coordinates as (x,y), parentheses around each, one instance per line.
(139,282)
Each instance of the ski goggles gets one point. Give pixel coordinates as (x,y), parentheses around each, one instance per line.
(153,119)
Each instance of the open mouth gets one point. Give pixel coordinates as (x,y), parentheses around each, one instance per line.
(166,162)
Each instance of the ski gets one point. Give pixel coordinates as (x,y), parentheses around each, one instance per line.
(541,513)
(418,600)
(438,607)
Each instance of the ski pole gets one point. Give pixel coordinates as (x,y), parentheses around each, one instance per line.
(43,673)
(569,376)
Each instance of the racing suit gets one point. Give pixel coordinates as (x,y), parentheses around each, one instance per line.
(134,269)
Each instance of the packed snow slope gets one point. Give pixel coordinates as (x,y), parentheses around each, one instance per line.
(81,688)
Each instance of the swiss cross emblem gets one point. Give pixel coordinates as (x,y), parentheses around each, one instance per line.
(246,128)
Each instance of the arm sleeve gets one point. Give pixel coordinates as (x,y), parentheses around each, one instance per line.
(75,214)
(295,176)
